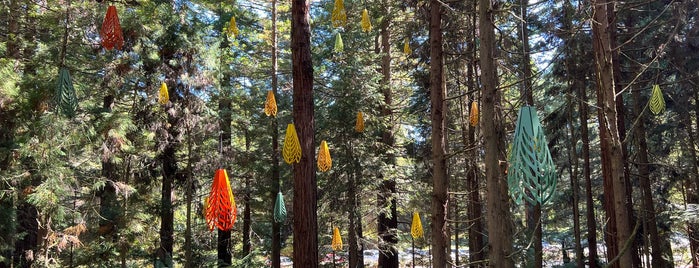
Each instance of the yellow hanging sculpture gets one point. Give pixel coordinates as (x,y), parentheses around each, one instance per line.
(270,104)
(366,23)
(233,28)
(337,240)
(416,226)
(657,102)
(324,160)
(164,96)
(359,126)
(221,211)
(473,116)
(406,48)
(339,15)
(292,147)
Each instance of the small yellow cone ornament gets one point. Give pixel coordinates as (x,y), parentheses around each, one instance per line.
(292,147)
(416,226)
(366,23)
(337,240)
(270,104)
(359,126)
(164,96)
(406,47)
(339,15)
(473,116)
(324,160)
(657,102)
(232,28)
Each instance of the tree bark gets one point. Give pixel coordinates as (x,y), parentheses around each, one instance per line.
(305,186)
(440,182)
(574,184)
(610,143)
(356,256)
(591,223)
(498,212)
(247,220)
(388,219)
(276,227)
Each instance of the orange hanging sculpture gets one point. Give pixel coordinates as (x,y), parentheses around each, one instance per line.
(336,242)
(110,33)
(359,126)
(220,208)
(271,104)
(474,114)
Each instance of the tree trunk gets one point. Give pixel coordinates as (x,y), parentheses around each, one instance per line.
(498,210)
(440,182)
(223,246)
(356,257)
(610,143)
(591,223)
(388,219)
(574,183)
(648,210)
(13,33)
(475,212)
(305,187)
(246,202)
(169,162)
(276,227)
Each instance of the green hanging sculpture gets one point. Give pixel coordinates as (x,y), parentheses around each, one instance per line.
(339,46)
(657,102)
(65,97)
(531,174)
(279,209)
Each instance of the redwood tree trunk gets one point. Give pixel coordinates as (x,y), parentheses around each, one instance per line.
(305,187)
(498,211)
(610,143)
(440,183)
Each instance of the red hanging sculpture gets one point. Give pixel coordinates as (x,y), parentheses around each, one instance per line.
(220,208)
(111,30)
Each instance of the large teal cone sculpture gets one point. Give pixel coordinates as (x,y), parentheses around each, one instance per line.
(531,174)
(65,97)
(279,209)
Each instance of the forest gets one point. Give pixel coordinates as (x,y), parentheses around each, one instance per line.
(347,133)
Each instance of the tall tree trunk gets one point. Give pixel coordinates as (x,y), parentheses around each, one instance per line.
(574,183)
(591,223)
(648,210)
(356,257)
(305,186)
(475,212)
(13,33)
(610,143)
(533,212)
(169,164)
(223,246)
(246,201)
(440,182)
(498,210)
(276,227)
(388,219)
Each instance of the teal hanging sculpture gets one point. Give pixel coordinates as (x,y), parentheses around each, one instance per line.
(279,209)
(531,174)
(65,97)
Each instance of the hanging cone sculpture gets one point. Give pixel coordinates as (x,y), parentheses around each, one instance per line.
(232,28)
(339,46)
(279,209)
(339,16)
(531,174)
(337,240)
(657,102)
(473,116)
(65,97)
(270,104)
(291,150)
(163,95)
(366,23)
(324,160)
(220,209)
(416,226)
(359,126)
(406,48)
(110,33)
